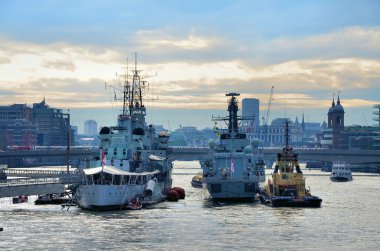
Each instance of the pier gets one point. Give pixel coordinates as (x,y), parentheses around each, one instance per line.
(34,182)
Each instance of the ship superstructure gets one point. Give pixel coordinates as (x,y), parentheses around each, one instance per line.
(233,171)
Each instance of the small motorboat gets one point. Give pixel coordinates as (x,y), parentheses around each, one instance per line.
(56,199)
(134,204)
(196,181)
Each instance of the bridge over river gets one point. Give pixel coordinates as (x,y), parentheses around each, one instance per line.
(305,154)
(46,157)
(59,156)
(352,156)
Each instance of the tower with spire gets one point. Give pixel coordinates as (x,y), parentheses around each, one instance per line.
(336,121)
(303,124)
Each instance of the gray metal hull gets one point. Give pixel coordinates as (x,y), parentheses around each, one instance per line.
(237,189)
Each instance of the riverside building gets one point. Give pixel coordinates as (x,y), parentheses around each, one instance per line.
(40,124)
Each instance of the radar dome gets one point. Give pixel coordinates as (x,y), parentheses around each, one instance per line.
(255,143)
(211,143)
(248,150)
(105,130)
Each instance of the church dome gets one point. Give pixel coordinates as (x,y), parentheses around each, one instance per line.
(332,106)
(338,108)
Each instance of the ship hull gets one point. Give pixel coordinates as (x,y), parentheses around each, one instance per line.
(231,190)
(108,197)
(104,197)
(340,179)
(52,201)
(196,182)
(289,201)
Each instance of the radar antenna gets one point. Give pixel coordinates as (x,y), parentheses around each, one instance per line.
(133,89)
(233,117)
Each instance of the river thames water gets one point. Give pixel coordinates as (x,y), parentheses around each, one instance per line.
(348,220)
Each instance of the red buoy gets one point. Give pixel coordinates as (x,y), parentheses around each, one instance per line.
(172,195)
(180,191)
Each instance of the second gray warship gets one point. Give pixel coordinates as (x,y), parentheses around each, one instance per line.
(234,170)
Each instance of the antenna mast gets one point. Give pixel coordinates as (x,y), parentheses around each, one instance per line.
(126,90)
(232,118)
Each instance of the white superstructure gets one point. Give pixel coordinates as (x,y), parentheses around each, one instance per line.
(109,187)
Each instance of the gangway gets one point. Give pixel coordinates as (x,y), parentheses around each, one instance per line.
(40,173)
(38,185)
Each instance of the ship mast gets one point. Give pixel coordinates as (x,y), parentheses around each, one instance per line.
(232,112)
(233,118)
(286,133)
(125,91)
(135,92)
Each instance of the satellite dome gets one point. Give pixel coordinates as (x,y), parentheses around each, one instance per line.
(248,150)
(211,143)
(105,130)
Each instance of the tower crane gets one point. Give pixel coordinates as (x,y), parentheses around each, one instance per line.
(265,120)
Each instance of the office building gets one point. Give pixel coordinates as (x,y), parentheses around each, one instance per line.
(90,127)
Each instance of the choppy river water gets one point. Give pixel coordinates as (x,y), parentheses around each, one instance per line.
(348,220)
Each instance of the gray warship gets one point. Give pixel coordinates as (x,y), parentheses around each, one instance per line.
(132,168)
(234,169)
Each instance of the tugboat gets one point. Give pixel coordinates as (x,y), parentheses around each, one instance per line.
(287,186)
(340,171)
(232,172)
(133,166)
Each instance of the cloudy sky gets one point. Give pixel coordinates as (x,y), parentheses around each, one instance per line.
(195,52)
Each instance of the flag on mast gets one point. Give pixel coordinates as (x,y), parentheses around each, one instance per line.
(232,166)
(104,158)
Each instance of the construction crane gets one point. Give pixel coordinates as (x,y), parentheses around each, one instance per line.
(265,120)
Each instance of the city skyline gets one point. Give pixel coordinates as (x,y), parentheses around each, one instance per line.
(195,52)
